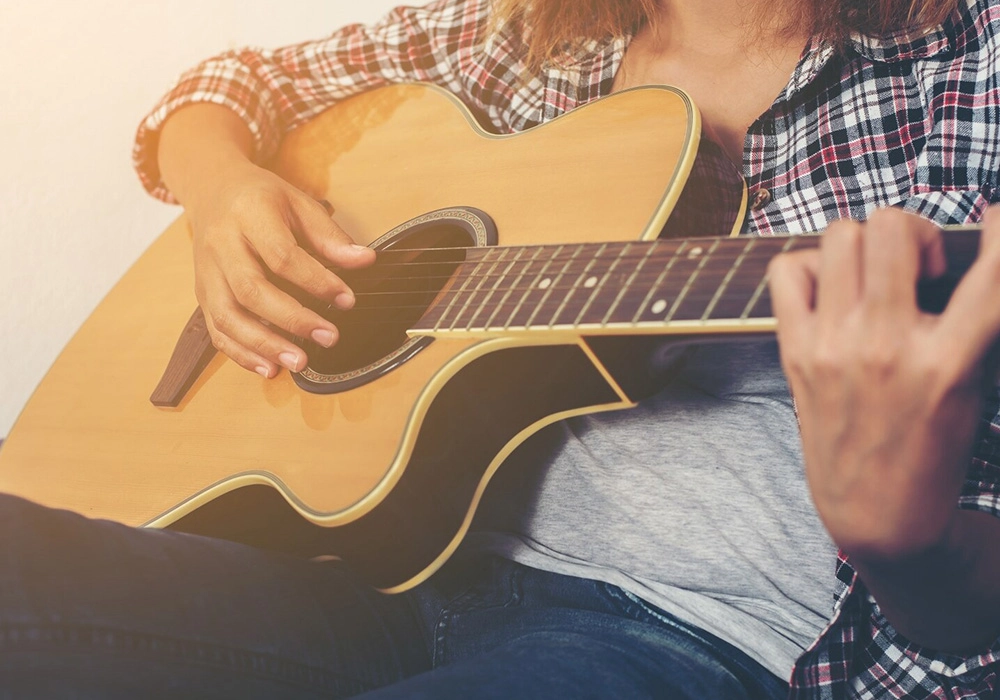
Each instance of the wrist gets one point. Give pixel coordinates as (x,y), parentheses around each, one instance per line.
(948,546)
(202,147)
(886,530)
(228,172)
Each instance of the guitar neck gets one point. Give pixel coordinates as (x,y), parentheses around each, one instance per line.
(699,285)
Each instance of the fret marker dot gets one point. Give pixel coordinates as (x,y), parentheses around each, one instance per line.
(590,283)
(695,252)
(545,283)
(659,307)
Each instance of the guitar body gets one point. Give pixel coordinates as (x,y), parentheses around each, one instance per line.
(384,470)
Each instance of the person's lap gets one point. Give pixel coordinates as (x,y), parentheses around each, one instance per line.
(93,609)
(134,609)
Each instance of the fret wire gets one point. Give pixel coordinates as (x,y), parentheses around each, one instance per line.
(660,278)
(600,285)
(480,280)
(691,279)
(575,288)
(551,287)
(532,287)
(635,272)
(803,241)
(763,284)
(510,290)
(457,294)
(725,283)
(496,285)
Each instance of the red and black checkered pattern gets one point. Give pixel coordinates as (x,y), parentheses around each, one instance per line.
(901,121)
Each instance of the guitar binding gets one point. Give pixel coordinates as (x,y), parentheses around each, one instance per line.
(373,339)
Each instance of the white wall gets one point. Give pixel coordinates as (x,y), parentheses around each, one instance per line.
(75,79)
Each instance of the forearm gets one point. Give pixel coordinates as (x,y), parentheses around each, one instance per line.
(199,146)
(947,598)
(275,91)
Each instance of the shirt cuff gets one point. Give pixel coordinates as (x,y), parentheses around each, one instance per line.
(227,80)
(951,669)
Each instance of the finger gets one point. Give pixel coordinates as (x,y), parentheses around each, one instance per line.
(897,247)
(251,341)
(321,233)
(839,271)
(792,279)
(273,244)
(970,324)
(240,355)
(253,291)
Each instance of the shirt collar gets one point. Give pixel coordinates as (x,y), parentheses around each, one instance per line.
(893,48)
(902,46)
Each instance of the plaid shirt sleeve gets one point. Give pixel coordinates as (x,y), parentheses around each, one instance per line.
(937,113)
(275,90)
(883,663)
(861,655)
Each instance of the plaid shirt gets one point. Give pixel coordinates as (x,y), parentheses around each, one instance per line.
(908,122)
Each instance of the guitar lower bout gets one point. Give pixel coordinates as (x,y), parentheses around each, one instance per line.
(473,419)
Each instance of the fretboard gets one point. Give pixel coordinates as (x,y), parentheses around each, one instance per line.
(692,285)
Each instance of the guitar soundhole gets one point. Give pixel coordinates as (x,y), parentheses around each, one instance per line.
(415,262)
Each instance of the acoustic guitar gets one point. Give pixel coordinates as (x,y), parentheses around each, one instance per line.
(520,280)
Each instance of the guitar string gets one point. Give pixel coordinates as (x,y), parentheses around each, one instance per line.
(704,291)
(757,313)
(638,249)
(706,276)
(693,296)
(524,266)
(359,272)
(746,279)
(705,283)
(699,296)
(642,247)
(809,239)
(717,266)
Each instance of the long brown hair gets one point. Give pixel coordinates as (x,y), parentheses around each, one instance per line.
(559,27)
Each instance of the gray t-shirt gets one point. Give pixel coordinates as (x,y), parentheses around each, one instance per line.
(695,501)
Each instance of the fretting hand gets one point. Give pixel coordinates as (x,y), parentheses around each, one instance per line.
(888,396)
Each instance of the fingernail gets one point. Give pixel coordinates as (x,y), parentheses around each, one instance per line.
(344,301)
(359,247)
(289,360)
(323,337)
(263,371)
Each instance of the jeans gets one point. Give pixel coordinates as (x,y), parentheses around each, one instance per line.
(94,609)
